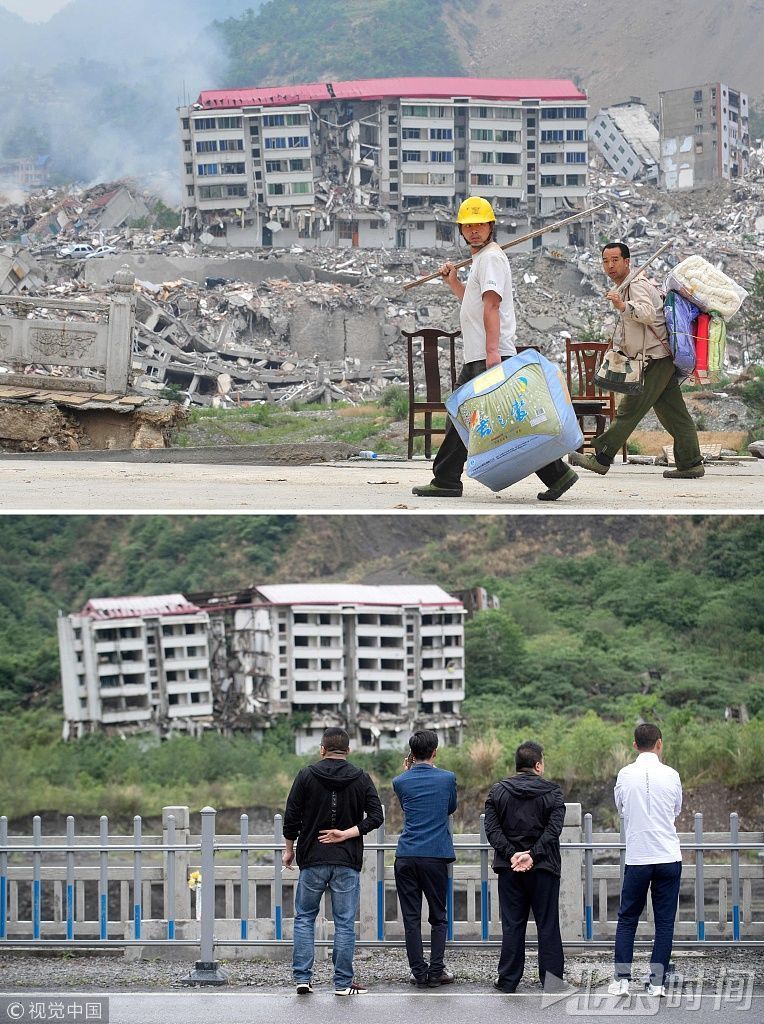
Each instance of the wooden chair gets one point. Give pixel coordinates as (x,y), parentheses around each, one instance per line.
(433,396)
(581,362)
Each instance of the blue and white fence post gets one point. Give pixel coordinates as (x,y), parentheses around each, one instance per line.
(735,865)
(207,970)
(588,879)
(700,886)
(36,875)
(3,877)
(170,887)
(485,910)
(137,885)
(244,877)
(70,877)
(381,883)
(278,876)
(450,890)
(103,878)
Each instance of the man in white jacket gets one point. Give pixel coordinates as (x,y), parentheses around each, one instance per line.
(649,796)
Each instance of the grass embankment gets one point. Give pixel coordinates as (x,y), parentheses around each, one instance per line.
(141,774)
(381,426)
(373,425)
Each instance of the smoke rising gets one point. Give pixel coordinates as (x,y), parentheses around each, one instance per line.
(96,88)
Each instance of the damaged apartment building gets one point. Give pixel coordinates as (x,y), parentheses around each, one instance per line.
(381,163)
(377,660)
(704,135)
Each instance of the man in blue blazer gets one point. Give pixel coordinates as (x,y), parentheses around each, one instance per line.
(428,796)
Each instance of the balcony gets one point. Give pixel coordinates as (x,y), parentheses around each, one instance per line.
(126,715)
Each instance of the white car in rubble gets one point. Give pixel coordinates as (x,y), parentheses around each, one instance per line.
(102,250)
(75,252)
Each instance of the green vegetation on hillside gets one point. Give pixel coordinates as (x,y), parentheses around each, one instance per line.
(296,41)
(59,562)
(663,622)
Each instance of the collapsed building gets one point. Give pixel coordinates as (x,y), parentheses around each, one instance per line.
(376,660)
(380,162)
(704,135)
(627,140)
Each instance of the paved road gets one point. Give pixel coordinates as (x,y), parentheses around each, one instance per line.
(69,485)
(423,1008)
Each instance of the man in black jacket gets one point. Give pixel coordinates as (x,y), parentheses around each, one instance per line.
(524,816)
(331,806)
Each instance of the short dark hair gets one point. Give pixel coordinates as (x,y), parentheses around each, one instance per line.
(423,744)
(528,755)
(622,246)
(646,736)
(335,740)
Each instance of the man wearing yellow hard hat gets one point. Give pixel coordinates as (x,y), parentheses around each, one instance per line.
(487,317)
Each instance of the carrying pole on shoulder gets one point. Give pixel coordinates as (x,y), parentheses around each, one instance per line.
(515,241)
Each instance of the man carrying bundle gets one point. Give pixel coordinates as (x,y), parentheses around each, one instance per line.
(642,327)
(487,318)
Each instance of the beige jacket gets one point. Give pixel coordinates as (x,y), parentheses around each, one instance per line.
(644,309)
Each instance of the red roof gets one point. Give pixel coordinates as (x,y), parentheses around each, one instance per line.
(390,88)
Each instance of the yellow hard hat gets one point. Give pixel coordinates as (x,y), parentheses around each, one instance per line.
(475,210)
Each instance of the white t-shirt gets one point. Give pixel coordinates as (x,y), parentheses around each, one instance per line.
(649,796)
(489,273)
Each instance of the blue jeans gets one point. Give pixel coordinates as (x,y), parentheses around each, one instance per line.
(344,884)
(663,882)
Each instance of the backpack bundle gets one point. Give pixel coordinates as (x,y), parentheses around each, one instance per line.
(699,300)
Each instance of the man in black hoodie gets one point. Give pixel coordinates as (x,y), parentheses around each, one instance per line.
(331,806)
(524,816)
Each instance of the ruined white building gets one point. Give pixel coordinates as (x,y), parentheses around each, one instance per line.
(626,138)
(704,135)
(133,661)
(377,660)
(380,162)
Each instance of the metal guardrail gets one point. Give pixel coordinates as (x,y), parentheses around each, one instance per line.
(139,872)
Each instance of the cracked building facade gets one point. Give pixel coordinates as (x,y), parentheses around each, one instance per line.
(381,163)
(377,660)
(704,135)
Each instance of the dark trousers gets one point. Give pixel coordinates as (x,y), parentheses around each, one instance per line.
(415,877)
(519,893)
(448,466)
(662,393)
(663,882)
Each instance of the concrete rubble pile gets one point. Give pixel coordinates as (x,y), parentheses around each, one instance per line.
(317,324)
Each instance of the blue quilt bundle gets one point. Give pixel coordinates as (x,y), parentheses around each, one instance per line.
(514,419)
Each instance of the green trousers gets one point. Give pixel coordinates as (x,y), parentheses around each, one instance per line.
(662,393)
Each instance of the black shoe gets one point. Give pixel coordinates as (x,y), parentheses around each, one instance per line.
(445,977)
(419,982)
(505,987)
